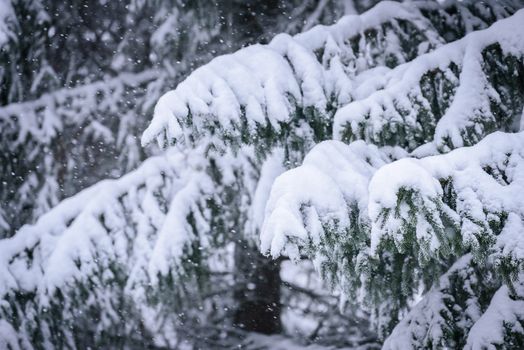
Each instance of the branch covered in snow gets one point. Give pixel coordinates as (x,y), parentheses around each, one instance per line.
(261,91)
(265,87)
(474,316)
(445,311)
(49,145)
(113,239)
(452,96)
(363,217)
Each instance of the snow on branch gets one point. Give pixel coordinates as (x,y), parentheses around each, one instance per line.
(476,320)
(63,243)
(353,211)
(463,197)
(259,90)
(472,187)
(41,119)
(267,86)
(452,96)
(502,319)
(135,236)
(110,244)
(316,198)
(440,313)
(46,143)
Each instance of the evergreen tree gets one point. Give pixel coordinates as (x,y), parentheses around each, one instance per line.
(387,218)
(385,233)
(77,77)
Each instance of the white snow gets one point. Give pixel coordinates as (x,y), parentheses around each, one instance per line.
(271,81)
(73,230)
(380,109)
(142,221)
(318,195)
(273,167)
(332,177)
(426,322)
(505,310)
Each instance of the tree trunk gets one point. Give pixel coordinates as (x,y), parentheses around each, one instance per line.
(258,295)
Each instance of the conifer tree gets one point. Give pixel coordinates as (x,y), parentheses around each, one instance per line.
(385,233)
(53,133)
(386,217)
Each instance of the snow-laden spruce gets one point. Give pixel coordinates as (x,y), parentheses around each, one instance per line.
(362,222)
(452,96)
(463,197)
(336,177)
(284,100)
(95,252)
(241,121)
(262,90)
(261,87)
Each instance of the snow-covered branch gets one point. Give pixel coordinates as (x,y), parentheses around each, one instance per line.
(362,214)
(47,144)
(452,96)
(265,87)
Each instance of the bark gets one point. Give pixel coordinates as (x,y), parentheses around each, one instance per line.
(258,299)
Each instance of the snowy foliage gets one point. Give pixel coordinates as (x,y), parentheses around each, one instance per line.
(46,163)
(94,253)
(383,233)
(327,145)
(282,94)
(410,216)
(49,144)
(446,313)
(452,96)
(308,76)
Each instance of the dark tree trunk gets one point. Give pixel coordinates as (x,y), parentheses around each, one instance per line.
(258,295)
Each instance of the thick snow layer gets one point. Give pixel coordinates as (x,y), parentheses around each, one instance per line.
(116,238)
(335,175)
(141,217)
(83,225)
(319,193)
(337,182)
(273,166)
(396,100)
(8,338)
(264,85)
(479,194)
(269,82)
(510,244)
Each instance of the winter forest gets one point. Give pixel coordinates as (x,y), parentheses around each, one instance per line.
(277,174)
